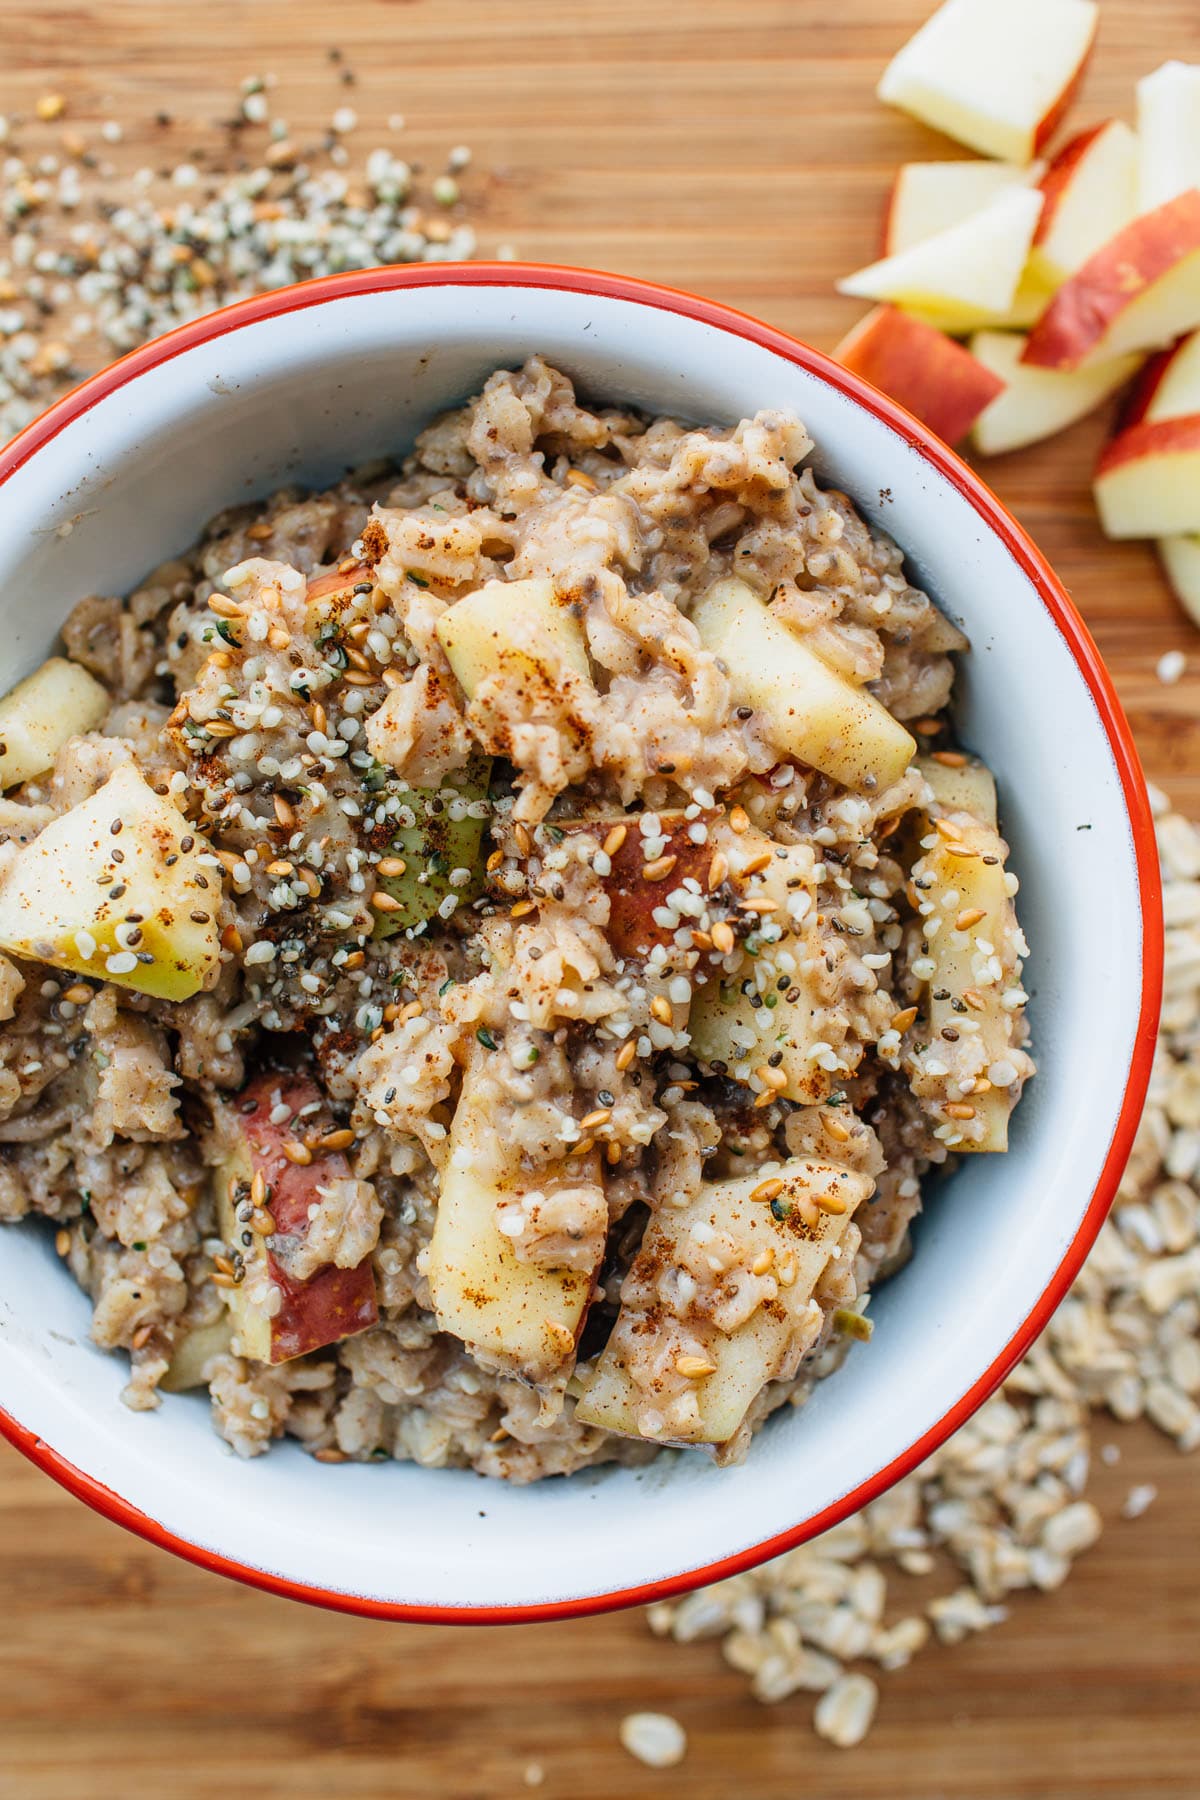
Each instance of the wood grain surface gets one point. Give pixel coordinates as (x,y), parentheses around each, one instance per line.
(733,147)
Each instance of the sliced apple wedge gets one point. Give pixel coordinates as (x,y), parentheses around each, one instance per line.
(1137,292)
(995,74)
(521,626)
(642,1386)
(110,890)
(525,1315)
(1168,118)
(264,1197)
(1090,194)
(968,787)
(1035,403)
(926,371)
(964,277)
(808,710)
(1169,385)
(57,702)
(929,197)
(1181,566)
(962,877)
(1147,480)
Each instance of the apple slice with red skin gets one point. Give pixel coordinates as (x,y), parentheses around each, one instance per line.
(632,929)
(1090,194)
(1168,386)
(330,599)
(333,1303)
(1137,292)
(1147,481)
(936,379)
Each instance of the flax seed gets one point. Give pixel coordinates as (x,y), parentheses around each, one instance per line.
(660,868)
(284,812)
(336,1140)
(694,1368)
(959,1109)
(224,607)
(837,1129)
(615,839)
(772,1078)
(660,1009)
(390,867)
(722,937)
(625,1055)
(902,1020)
(297,1153)
(949,759)
(718,869)
(601,1116)
(739,820)
(767,1190)
(969,916)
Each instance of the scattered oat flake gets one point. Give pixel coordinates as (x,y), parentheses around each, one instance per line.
(1139,1500)
(655,1739)
(1171,667)
(845,1711)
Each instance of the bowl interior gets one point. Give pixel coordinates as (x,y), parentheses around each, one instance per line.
(299,396)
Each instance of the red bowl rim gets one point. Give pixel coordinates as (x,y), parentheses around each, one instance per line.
(1087,658)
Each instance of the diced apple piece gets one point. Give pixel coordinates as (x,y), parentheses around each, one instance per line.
(742,1361)
(964,876)
(194,1351)
(1181,565)
(108,890)
(436,849)
(968,787)
(995,74)
(632,929)
(57,702)
(922,368)
(742,1029)
(1148,479)
(1169,385)
(526,1315)
(1090,192)
(518,625)
(1036,403)
(929,197)
(276,1315)
(808,710)
(965,276)
(1138,292)
(1168,116)
(331,602)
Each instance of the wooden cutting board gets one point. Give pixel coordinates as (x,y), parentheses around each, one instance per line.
(733,147)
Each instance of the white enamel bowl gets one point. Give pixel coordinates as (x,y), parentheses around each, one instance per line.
(299,384)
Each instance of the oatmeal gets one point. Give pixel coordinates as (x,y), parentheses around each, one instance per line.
(494,951)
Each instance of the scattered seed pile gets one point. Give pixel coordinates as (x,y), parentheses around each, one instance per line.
(1002,1505)
(94,262)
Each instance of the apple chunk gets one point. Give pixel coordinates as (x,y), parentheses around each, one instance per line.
(922,368)
(632,929)
(673,1380)
(929,197)
(263,1196)
(521,627)
(1035,403)
(1090,193)
(742,1020)
(439,849)
(995,74)
(963,878)
(964,277)
(57,702)
(525,1315)
(806,708)
(1168,117)
(1147,480)
(193,1351)
(109,889)
(1137,292)
(1181,566)
(1169,385)
(968,787)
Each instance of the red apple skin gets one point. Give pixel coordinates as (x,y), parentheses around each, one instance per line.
(333,1303)
(1087,304)
(1153,437)
(1058,111)
(936,379)
(632,930)
(1061,173)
